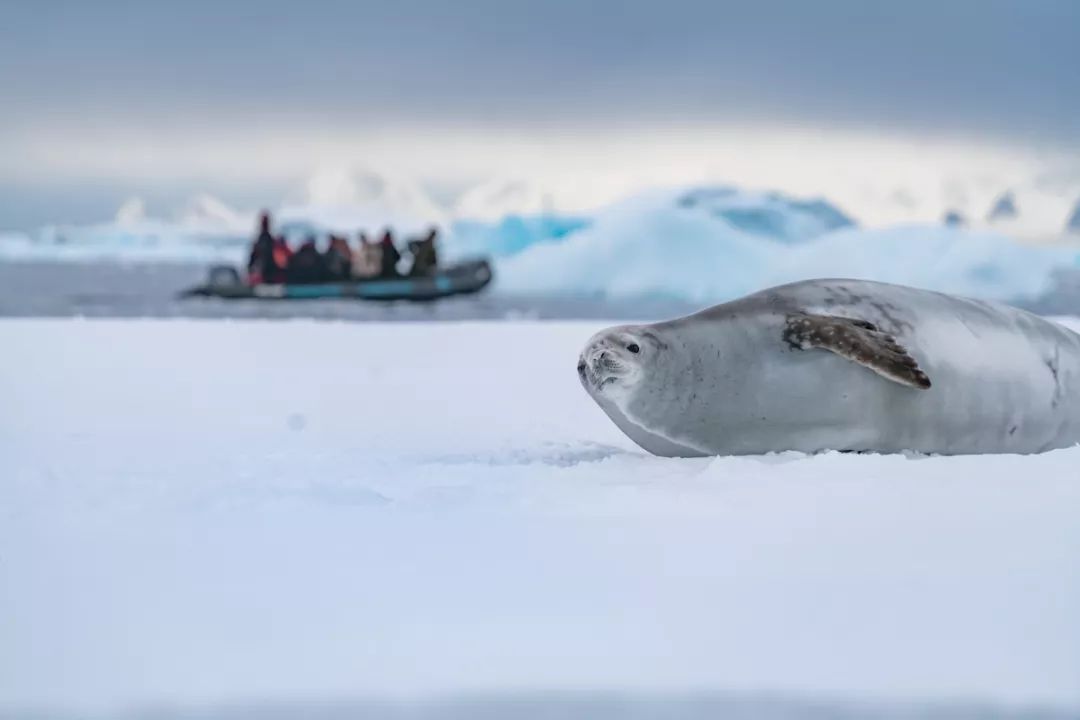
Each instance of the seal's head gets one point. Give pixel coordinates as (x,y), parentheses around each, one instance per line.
(633,373)
(615,361)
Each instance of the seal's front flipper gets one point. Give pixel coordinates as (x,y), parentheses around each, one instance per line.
(858,341)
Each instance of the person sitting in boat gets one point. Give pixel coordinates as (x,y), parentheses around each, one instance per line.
(337,260)
(390,255)
(261,263)
(424,255)
(306,266)
(367,260)
(282,256)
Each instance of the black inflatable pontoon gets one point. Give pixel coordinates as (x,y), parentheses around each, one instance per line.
(458,279)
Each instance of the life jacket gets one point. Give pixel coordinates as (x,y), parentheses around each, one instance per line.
(282,253)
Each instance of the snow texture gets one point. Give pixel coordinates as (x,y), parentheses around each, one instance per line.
(225,512)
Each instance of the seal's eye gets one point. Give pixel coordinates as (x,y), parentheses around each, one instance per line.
(634,348)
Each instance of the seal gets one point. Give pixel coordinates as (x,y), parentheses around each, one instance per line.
(845,365)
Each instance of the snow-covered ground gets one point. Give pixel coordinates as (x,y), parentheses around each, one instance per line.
(206,513)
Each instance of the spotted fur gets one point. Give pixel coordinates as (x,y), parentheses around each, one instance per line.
(859,341)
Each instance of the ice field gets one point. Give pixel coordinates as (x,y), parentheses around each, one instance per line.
(206,513)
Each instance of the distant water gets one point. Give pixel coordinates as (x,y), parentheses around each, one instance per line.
(109,289)
(51,289)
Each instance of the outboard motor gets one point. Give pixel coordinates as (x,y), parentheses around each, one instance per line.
(223,276)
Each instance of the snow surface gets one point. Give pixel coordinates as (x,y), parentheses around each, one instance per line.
(216,512)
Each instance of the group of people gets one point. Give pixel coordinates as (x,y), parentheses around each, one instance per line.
(273,261)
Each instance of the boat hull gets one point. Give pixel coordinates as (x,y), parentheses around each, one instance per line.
(459,279)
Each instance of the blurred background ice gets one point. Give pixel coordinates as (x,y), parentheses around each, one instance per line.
(626,152)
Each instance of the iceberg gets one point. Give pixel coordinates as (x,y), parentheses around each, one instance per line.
(714,245)
(206,230)
(1004,208)
(954,218)
(976,263)
(693,244)
(1031,214)
(510,235)
(1072,225)
(771,215)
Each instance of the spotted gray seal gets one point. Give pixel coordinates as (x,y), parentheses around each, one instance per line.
(840,365)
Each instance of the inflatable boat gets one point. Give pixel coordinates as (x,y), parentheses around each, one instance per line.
(458,279)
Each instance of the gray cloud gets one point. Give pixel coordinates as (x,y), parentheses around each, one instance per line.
(988,70)
(982,67)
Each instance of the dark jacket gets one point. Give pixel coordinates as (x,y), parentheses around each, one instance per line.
(261,262)
(390,257)
(306,266)
(424,257)
(337,260)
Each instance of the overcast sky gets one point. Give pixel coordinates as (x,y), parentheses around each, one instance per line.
(77,78)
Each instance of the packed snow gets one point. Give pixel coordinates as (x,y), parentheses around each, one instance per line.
(203,514)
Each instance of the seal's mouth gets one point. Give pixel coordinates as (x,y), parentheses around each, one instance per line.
(600,369)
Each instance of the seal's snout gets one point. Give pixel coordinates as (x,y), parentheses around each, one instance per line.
(607,363)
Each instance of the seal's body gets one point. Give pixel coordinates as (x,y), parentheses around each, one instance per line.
(841,365)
